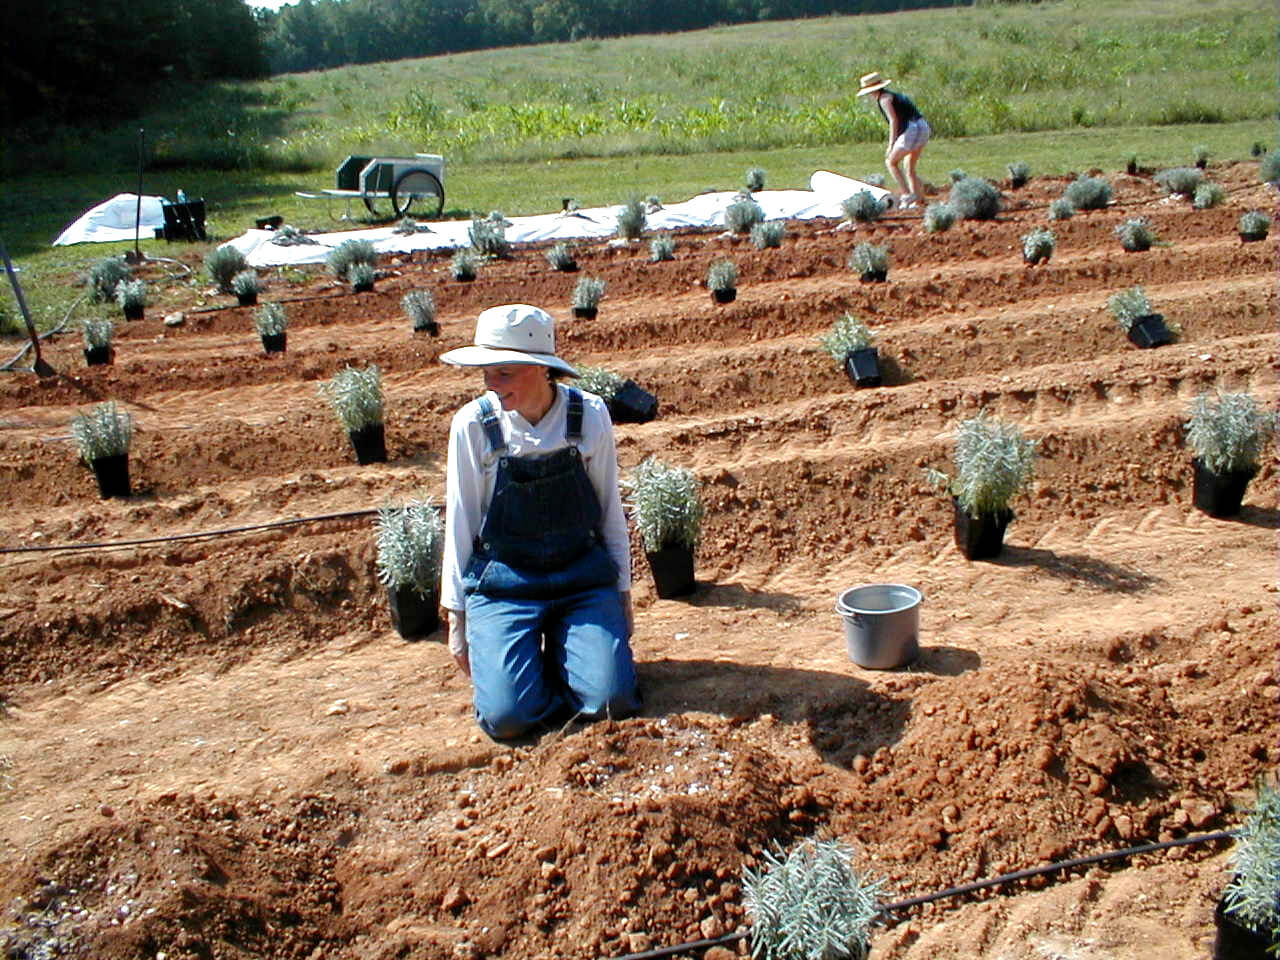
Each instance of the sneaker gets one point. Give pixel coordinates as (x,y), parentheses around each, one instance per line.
(909,202)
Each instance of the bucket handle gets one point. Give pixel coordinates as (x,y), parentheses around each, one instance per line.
(852,615)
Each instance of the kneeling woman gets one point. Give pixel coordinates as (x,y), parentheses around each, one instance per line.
(537,563)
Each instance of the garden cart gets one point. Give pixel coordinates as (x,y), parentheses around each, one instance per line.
(389,187)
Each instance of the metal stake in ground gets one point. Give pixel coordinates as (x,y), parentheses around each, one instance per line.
(41,367)
(137,210)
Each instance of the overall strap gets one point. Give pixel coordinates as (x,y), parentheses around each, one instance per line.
(492,429)
(573,418)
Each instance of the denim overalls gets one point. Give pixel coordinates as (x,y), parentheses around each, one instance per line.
(545,624)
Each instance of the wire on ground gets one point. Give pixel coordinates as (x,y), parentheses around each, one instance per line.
(199,535)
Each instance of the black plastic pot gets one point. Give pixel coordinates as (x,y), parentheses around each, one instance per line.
(1033,261)
(585,313)
(633,404)
(431,328)
(1149,331)
(863,367)
(1219,494)
(97,356)
(112,474)
(1252,237)
(133,313)
(874,276)
(982,537)
(1234,941)
(369,444)
(413,615)
(725,296)
(361,287)
(672,569)
(274,342)
(247,299)
(467,278)
(273,222)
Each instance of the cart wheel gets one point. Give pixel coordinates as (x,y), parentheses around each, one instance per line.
(417,186)
(379,205)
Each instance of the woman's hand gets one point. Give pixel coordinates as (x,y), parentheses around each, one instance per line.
(458,641)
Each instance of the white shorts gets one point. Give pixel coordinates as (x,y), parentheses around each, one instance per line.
(913,139)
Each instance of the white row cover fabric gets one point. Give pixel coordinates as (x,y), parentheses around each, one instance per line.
(823,198)
(114,220)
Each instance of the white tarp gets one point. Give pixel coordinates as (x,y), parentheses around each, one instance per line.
(822,199)
(114,219)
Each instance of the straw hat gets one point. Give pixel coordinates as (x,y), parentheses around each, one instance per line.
(513,333)
(871,82)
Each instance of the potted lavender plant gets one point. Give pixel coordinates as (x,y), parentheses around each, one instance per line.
(103,436)
(849,343)
(667,509)
(97,341)
(356,396)
(272,324)
(1227,434)
(410,541)
(1248,914)
(993,462)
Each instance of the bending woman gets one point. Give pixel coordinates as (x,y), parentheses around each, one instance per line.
(537,562)
(908,133)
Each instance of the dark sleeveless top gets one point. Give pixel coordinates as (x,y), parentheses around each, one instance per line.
(902,105)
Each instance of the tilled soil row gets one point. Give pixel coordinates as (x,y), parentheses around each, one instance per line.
(228,454)
(805,485)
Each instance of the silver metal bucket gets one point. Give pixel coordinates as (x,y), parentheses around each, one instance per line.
(881,624)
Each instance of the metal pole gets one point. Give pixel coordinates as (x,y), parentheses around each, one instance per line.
(137,213)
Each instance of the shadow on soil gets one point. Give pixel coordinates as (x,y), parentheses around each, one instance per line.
(738,597)
(1265,517)
(1076,566)
(844,716)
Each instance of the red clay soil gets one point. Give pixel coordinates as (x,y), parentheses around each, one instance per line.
(218,748)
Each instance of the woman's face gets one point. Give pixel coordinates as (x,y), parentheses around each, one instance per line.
(522,387)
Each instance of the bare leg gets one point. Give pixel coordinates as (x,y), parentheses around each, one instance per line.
(893,161)
(913,179)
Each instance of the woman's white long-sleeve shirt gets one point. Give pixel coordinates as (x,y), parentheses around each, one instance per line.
(473,471)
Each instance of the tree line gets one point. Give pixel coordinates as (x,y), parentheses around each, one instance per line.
(317,34)
(86,61)
(71,61)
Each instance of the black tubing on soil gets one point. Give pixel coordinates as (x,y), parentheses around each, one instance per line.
(174,538)
(680,948)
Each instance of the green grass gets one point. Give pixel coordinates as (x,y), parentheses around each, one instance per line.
(1064,86)
(1058,64)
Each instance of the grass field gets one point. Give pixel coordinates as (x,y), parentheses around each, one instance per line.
(1063,86)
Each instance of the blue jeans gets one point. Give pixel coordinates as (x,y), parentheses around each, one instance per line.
(533,657)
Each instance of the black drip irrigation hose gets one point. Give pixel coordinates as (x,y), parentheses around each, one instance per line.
(964,888)
(174,538)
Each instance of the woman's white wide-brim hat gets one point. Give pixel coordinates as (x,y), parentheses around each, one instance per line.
(513,333)
(871,82)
